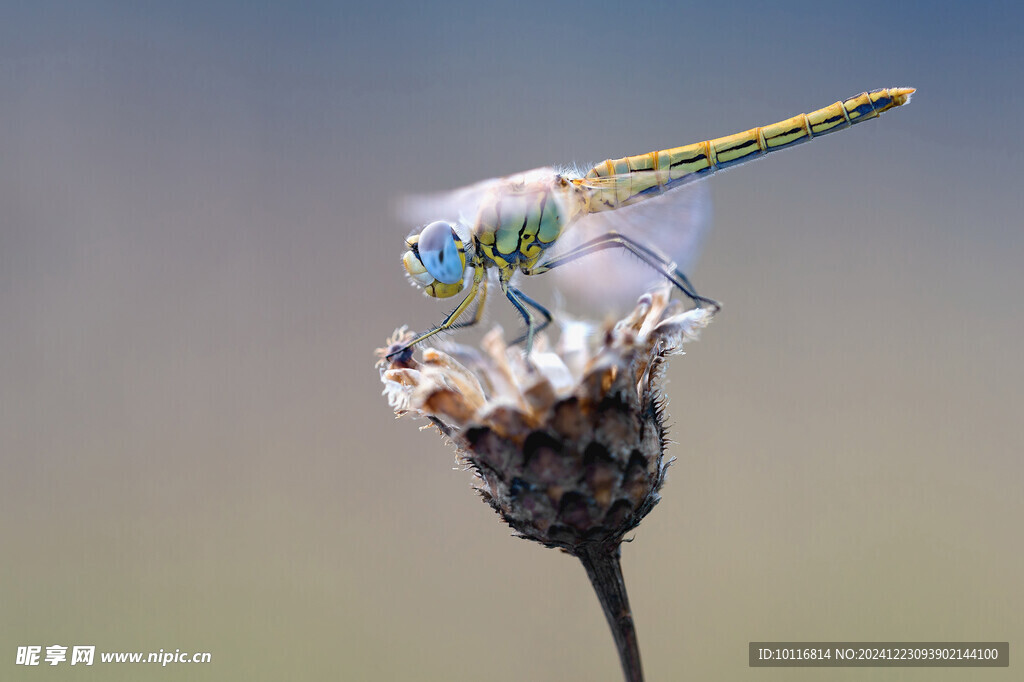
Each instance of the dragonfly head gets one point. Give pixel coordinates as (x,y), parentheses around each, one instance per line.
(435,259)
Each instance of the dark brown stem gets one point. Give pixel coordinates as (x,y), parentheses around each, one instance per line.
(605,573)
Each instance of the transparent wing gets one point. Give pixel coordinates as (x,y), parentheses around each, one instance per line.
(674,223)
(463,204)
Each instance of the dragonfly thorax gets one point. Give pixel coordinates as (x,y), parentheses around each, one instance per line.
(519,221)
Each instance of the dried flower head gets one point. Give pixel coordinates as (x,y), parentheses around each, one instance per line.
(568,444)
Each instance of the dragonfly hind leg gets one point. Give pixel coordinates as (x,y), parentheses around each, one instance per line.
(648,255)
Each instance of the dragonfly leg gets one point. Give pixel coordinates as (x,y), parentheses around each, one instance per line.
(478,311)
(648,255)
(451,321)
(520,301)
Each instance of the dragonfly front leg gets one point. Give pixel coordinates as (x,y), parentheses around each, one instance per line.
(478,311)
(450,322)
(648,255)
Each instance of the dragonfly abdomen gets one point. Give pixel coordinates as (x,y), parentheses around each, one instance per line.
(620,182)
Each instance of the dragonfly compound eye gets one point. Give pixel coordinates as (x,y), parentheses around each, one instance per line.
(438,266)
(442,252)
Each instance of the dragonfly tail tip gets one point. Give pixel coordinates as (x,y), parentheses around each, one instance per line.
(902,95)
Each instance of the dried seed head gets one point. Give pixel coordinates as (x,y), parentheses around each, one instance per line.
(568,444)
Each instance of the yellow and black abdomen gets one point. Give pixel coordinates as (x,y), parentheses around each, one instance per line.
(620,182)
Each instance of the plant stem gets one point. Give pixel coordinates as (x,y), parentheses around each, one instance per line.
(605,573)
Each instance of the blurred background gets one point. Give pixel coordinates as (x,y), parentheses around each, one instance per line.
(199,254)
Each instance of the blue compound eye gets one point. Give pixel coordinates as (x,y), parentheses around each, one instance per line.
(440,251)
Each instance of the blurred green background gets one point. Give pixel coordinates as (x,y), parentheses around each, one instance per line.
(198,255)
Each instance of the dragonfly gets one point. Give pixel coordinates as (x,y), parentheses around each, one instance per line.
(512,225)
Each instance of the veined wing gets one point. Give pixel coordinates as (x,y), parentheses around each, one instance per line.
(674,224)
(461,206)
